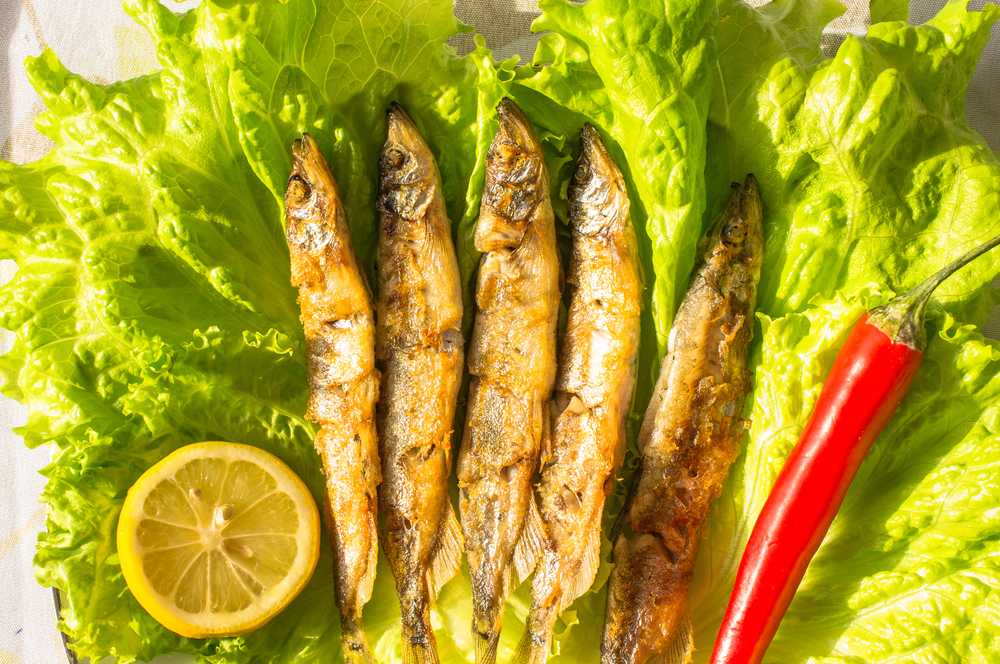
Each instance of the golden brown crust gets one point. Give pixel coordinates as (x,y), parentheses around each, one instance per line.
(512,365)
(336,314)
(593,388)
(689,438)
(420,344)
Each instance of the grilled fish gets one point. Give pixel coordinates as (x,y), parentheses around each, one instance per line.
(419,341)
(512,366)
(688,440)
(336,312)
(592,393)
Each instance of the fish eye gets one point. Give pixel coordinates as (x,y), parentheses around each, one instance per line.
(734,233)
(298,189)
(507,155)
(582,171)
(394,158)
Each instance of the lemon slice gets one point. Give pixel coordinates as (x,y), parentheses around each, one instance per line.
(217,538)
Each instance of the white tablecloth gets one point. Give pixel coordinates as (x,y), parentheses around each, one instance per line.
(96,39)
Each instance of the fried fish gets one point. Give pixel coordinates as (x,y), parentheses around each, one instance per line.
(593,390)
(512,366)
(419,342)
(689,438)
(336,313)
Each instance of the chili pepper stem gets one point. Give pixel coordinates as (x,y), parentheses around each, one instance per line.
(902,318)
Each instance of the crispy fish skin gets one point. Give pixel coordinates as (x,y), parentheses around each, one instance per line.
(512,362)
(689,438)
(593,389)
(336,313)
(419,342)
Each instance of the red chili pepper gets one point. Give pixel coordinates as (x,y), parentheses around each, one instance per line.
(868,380)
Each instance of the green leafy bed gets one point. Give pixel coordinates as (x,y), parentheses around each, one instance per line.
(153,307)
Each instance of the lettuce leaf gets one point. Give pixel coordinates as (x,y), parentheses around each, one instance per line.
(153,308)
(868,168)
(598,62)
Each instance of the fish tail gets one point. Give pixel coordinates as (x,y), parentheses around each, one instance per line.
(522,654)
(419,645)
(352,636)
(486,647)
(490,591)
(447,556)
(487,619)
(419,653)
(633,631)
(622,629)
(535,644)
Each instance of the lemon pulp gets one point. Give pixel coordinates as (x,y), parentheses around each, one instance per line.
(217,538)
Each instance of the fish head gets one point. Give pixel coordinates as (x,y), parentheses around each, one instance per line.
(406,171)
(742,226)
(311,189)
(736,240)
(312,199)
(516,176)
(597,195)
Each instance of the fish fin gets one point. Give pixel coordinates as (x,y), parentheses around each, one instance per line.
(367,583)
(584,578)
(623,515)
(419,653)
(529,545)
(680,647)
(529,650)
(447,554)
(486,647)
(522,655)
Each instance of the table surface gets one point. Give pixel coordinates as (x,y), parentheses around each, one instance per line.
(98,40)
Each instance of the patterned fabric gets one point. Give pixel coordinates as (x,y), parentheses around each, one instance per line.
(97,39)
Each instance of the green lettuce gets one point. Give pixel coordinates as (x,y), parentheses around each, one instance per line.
(868,168)
(153,308)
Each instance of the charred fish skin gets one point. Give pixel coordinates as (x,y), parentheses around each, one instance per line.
(420,346)
(689,438)
(593,389)
(512,366)
(336,314)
